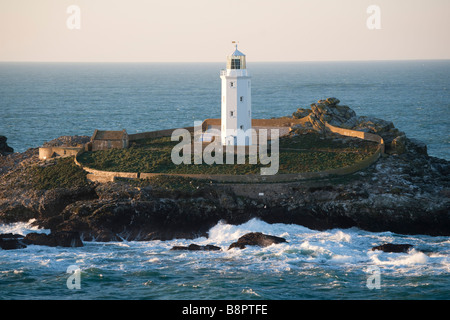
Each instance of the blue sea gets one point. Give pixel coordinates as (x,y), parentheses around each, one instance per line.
(42,101)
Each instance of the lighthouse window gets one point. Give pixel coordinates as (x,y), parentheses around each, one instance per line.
(242,98)
(235,63)
(231,84)
(231,113)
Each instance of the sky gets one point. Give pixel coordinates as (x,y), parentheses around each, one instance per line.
(203,30)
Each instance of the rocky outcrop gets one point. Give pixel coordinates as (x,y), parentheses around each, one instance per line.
(256,239)
(4,148)
(67,141)
(11,241)
(329,111)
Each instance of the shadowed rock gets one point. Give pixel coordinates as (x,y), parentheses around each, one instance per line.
(196,247)
(256,239)
(9,241)
(390,247)
(4,148)
(57,239)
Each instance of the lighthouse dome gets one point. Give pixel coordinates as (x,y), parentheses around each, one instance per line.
(237,53)
(236,60)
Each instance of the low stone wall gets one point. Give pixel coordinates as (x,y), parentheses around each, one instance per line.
(155,134)
(358,134)
(268,123)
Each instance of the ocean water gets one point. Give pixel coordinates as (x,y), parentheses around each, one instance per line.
(336,264)
(42,101)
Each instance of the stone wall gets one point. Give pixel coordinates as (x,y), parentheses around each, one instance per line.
(155,134)
(358,134)
(266,123)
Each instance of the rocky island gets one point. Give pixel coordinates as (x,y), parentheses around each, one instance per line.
(405,191)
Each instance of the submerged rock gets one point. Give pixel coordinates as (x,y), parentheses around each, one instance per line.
(256,239)
(196,247)
(390,247)
(57,239)
(9,241)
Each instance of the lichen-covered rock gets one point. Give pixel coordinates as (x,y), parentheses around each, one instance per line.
(301,113)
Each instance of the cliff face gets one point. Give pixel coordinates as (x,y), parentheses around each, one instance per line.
(406,191)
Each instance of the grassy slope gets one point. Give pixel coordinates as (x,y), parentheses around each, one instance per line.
(305,153)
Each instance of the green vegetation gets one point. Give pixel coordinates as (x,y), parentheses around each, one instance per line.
(302,153)
(58,173)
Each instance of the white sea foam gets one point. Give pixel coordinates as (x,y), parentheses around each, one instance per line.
(22,228)
(349,248)
(413,257)
(250,291)
(323,259)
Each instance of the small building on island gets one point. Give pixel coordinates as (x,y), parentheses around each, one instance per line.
(103,140)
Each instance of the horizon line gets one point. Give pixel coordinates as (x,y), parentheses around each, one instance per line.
(260,61)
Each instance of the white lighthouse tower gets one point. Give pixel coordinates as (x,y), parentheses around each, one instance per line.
(236,101)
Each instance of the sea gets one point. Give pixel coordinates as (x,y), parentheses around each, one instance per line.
(42,101)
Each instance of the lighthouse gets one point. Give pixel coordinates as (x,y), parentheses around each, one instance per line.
(236,112)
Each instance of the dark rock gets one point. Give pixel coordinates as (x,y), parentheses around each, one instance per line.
(256,239)
(398,144)
(54,201)
(4,148)
(196,247)
(60,238)
(416,146)
(9,241)
(390,247)
(159,219)
(373,125)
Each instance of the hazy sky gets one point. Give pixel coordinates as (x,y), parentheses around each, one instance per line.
(202,30)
